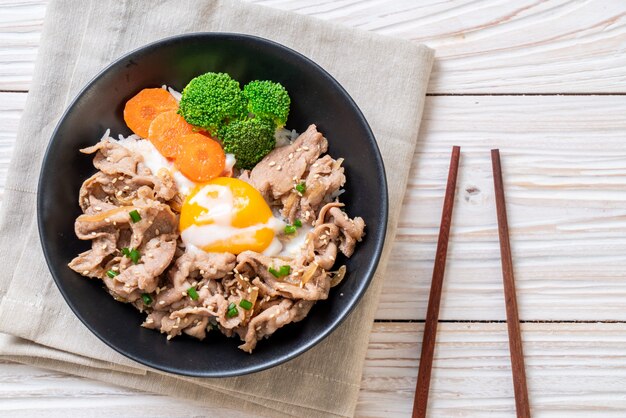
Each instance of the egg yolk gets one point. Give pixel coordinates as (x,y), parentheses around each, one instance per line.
(227,214)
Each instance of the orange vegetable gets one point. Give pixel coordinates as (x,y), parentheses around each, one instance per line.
(165,130)
(141,110)
(199,158)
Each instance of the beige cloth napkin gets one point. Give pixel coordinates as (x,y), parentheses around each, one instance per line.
(386,77)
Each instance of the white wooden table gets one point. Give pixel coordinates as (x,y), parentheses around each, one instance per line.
(545,82)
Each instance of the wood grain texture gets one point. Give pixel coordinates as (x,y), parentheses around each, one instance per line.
(566,194)
(484,46)
(574,371)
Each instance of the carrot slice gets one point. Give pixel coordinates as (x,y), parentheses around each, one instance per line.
(199,158)
(144,107)
(165,130)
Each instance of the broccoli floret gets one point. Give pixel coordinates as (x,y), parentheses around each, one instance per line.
(249,139)
(267,99)
(212,99)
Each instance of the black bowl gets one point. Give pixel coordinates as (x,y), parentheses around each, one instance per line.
(316,98)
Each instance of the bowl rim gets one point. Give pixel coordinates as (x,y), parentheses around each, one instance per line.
(365,281)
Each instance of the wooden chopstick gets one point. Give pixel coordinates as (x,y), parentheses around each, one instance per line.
(512,318)
(432,313)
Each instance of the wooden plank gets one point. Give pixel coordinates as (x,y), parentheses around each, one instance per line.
(566,192)
(525,46)
(574,370)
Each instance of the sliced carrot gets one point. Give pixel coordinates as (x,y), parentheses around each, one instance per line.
(144,107)
(165,130)
(199,158)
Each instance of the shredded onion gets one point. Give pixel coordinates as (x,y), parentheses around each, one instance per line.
(338,276)
(308,273)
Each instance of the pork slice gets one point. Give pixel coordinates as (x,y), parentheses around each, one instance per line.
(325,178)
(114,159)
(274,175)
(351,230)
(255,264)
(266,323)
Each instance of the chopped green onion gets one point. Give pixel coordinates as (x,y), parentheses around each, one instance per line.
(112,273)
(282,271)
(231,306)
(147,300)
(193,294)
(134,256)
(290,229)
(301,187)
(232,312)
(297,223)
(134,216)
(131,253)
(246,304)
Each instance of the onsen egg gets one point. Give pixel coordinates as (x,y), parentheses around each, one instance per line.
(228,215)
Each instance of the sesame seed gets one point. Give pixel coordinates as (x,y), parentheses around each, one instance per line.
(126,188)
(272,316)
(174,326)
(316,176)
(305,148)
(194,283)
(107,220)
(104,246)
(157,291)
(162,302)
(114,180)
(115,268)
(235,270)
(195,321)
(258,328)
(272,163)
(157,232)
(86,272)
(119,193)
(298,149)
(109,159)
(279,168)
(169,337)
(149,320)
(332,258)
(114,223)
(98,208)
(315,165)
(202,272)
(290,155)
(300,305)
(120,178)
(94,233)
(183,293)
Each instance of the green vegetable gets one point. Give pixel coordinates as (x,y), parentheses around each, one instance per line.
(212,99)
(281,272)
(232,310)
(112,273)
(246,304)
(134,216)
(298,223)
(301,187)
(268,100)
(249,139)
(147,300)
(193,293)
(131,253)
(290,229)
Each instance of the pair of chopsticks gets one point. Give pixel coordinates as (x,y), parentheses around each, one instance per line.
(432,314)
